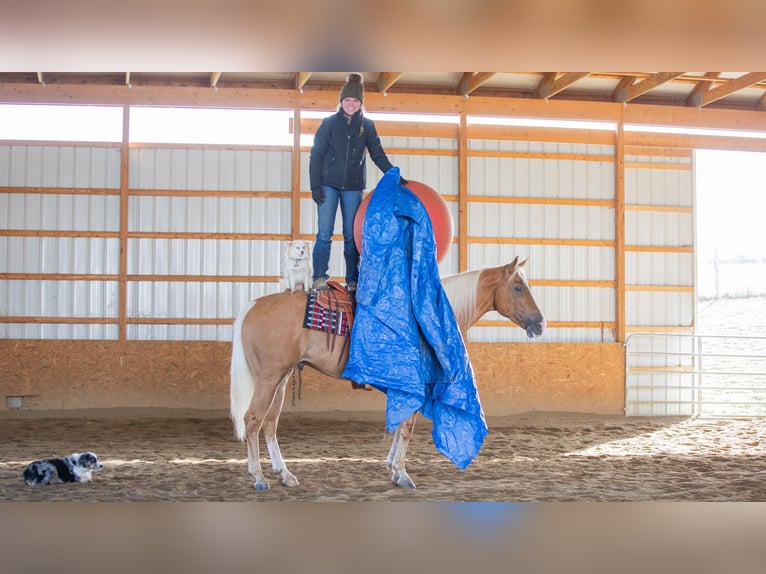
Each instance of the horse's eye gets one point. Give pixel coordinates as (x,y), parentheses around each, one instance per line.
(518,288)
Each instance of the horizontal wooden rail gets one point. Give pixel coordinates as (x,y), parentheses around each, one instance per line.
(541,201)
(541,241)
(660,328)
(661,288)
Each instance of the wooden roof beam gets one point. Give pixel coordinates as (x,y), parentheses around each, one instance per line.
(728,88)
(550,85)
(387,79)
(623,85)
(300,80)
(702,86)
(649,83)
(470,81)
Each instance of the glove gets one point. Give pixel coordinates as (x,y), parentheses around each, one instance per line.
(402,181)
(317,194)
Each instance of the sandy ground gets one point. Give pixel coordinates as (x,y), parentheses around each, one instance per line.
(341,456)
(531,457)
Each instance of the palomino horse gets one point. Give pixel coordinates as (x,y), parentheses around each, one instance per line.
(269,341)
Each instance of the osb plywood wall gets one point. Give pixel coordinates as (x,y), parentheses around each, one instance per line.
(512,377)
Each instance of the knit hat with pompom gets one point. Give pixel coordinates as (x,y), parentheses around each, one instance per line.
(353,88)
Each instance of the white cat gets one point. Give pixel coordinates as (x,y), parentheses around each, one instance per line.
(296,266)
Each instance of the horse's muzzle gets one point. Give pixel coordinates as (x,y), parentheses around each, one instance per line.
(535,328)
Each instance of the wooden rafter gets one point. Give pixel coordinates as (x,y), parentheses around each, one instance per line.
(300,79)
(702,86)
(552,83)
(40,78)
(648,83)
(623,85)
(387,79)
(728,88)
(127,79)
(470,81)
(214,77)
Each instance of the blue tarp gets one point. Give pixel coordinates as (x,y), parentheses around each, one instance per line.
(405,340)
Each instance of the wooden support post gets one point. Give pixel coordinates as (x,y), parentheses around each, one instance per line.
(619,232)
(122,298)
(462,194)
(295,197)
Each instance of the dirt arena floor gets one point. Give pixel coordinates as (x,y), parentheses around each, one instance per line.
(532,457)
(341,456)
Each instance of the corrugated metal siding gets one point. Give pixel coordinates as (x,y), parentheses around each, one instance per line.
(53,166)
(214,170)
(544,179)
(580,172)
(537,177)
(658,186)
(59,167)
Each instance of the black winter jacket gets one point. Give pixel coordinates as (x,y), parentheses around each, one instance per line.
(338,156)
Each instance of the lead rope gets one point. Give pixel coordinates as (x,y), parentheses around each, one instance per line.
(300,383)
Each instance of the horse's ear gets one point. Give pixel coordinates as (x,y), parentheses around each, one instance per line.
(523,262)
(509,268)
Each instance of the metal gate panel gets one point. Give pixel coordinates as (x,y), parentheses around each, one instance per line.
(695,375)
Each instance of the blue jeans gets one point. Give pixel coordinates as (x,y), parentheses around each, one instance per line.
(349,204)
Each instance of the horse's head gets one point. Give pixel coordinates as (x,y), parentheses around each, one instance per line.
(513,299)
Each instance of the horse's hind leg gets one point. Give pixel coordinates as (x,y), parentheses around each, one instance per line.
(256,414)
(398,453)
(270,434)
(253,428)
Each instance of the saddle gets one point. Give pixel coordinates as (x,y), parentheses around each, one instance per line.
(332,311)
(336,298)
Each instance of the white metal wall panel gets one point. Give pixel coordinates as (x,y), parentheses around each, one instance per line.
(666,187)
(80,255)
(537,177)
(61,212)
(255,170)
(547,178)
(217,169)
(59,167)
(240,170)
(209,214)
(87,299)
(52,166)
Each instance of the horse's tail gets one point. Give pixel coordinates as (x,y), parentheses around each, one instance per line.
(242,382)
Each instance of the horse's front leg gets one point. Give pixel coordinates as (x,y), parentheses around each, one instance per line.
(398,453)
(270,433)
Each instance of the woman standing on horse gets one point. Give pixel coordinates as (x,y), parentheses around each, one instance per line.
(337,173)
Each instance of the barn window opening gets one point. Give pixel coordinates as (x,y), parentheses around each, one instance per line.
(210,126)
(60,123)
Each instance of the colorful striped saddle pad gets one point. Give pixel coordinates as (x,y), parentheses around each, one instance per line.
(330,310)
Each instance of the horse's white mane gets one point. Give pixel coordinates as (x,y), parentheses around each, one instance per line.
(461,292)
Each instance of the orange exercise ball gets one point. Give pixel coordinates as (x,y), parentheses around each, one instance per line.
(436,207)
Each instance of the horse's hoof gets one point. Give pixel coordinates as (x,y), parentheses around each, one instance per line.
(288,479)
(261,484)
(400,478)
